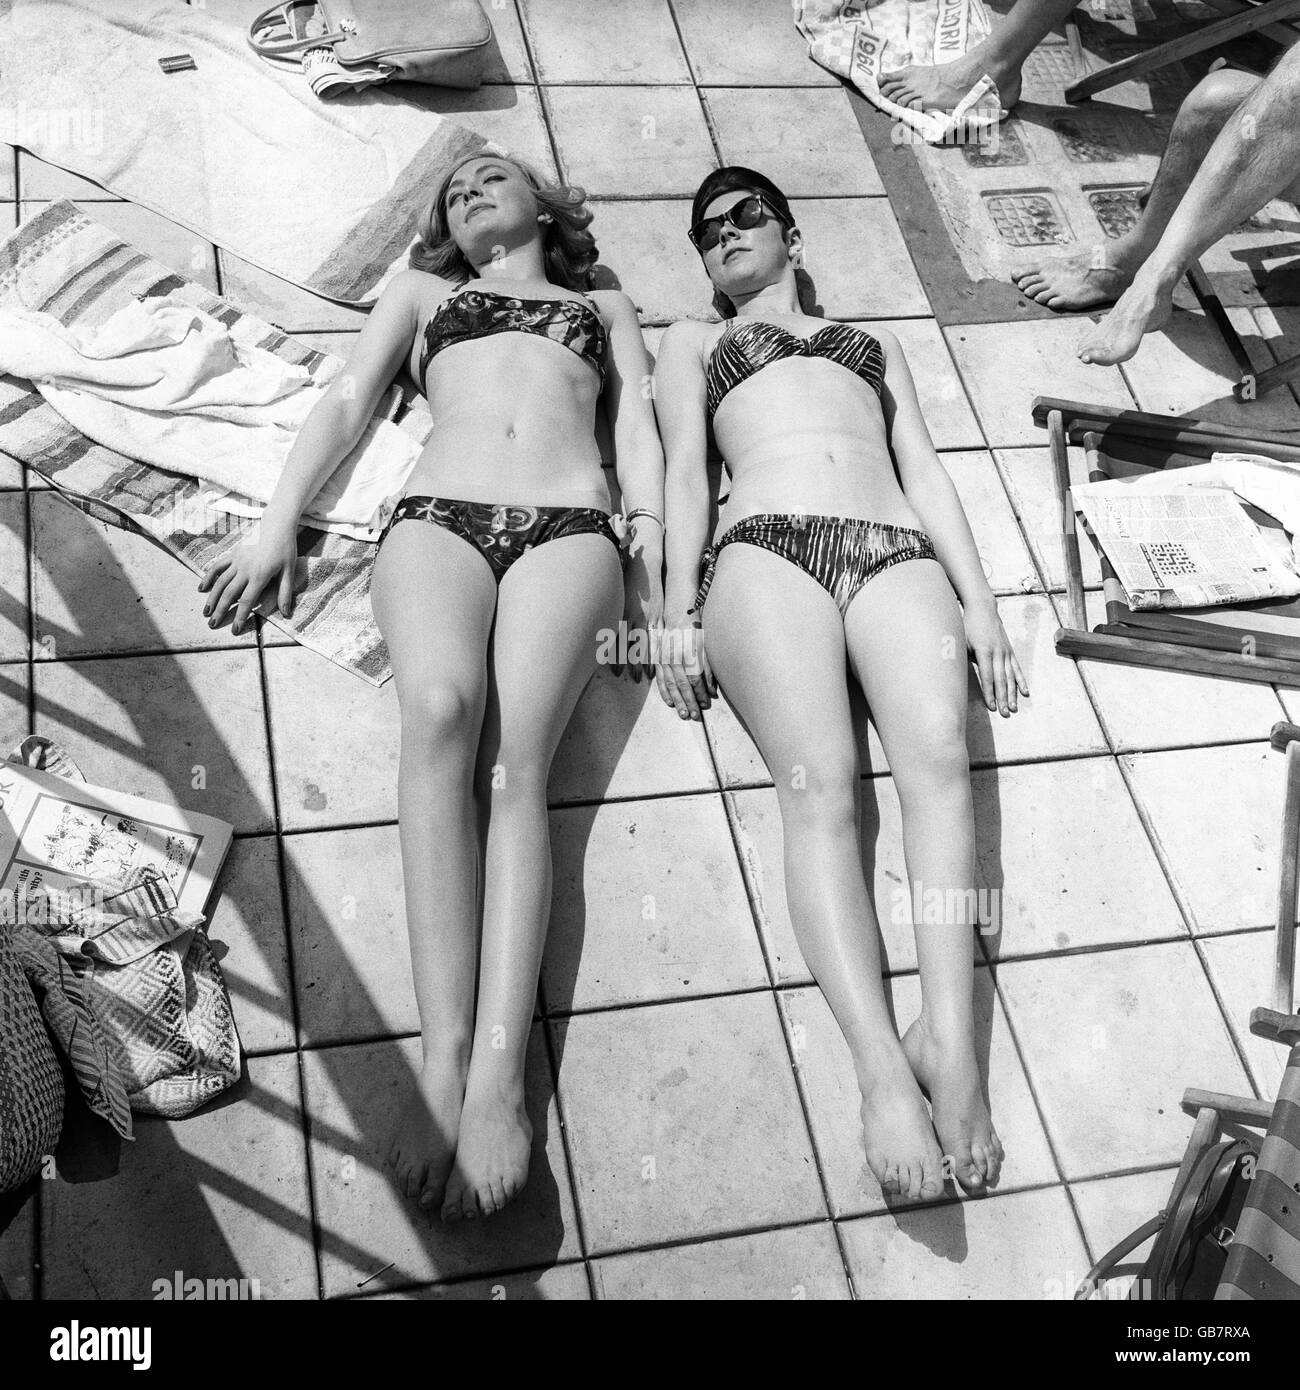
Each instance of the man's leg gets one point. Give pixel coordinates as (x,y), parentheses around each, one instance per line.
(1255,157)
(1099,272)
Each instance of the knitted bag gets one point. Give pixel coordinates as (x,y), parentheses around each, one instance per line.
(158,1008)
(31,1082)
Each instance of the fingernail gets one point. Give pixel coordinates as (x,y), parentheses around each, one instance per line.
(212,622)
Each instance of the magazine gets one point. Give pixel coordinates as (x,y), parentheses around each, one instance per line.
(60,836)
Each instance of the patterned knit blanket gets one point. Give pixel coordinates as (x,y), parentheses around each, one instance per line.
(68,266)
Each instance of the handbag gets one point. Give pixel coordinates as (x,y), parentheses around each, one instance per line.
(135,978)
(444,42)
(1192,1233)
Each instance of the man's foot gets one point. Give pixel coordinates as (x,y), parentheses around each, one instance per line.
(1082,277)
(424,1142)
(941,86)
(491,1167)
(902,1151)
(1143,308)
(950,1075)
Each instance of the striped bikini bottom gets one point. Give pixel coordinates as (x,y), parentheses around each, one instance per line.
(840,553)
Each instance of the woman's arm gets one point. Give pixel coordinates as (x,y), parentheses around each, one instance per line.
(639,465)
(679,396)
(933,497)
(329,433)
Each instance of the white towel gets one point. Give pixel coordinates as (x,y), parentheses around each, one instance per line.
(163,382)
(861,39)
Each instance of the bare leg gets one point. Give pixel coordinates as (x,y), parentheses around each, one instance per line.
(1253,159)
(1001,56)
(438,651)
(776,643)
(1085,276)
(553,602)
(907,647)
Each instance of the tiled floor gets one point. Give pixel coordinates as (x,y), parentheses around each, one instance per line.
(695,1113)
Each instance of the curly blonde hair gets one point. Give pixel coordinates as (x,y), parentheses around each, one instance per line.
(568,248)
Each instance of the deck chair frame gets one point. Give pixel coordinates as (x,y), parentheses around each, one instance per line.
(1266,16)
(1072,422)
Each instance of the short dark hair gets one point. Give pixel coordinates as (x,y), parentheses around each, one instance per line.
(736,178)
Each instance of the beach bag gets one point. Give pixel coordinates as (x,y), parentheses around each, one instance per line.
(444,42)
(137,977)
(31,1081)
(1192,1233)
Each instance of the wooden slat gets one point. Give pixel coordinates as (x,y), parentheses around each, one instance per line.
(1170,656)
(1211,36)
(1069,527)
(1289,873)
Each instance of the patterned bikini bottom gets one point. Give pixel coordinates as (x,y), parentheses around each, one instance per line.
(502,533)
(840,553)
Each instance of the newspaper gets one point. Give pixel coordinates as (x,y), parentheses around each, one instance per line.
(327,77)
(67,837)
(1182,547)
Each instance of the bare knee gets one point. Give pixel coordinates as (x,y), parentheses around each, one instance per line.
(1216,96)
(936,759)
(440,717)
(820,798)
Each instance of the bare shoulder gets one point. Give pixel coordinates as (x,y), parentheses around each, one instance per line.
(689,337)
(615,306)
(420,289)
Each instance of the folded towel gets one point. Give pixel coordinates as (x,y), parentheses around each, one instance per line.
(861,39)
(61,263)
(171,385)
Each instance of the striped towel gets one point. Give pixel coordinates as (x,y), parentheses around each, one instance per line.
(62,263)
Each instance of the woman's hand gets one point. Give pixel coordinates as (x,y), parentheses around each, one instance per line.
(685,679)
(239,579)
(999,672)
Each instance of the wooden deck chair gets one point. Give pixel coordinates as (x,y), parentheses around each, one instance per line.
(1254,642)
(1268,16)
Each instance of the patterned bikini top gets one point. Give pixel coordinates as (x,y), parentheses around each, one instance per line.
(480,313)
(746,348)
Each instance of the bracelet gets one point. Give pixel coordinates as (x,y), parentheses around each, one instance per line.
(644,511)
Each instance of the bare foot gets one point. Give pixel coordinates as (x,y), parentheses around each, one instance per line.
(1143,308)
(1082,277)
(940,87)
(424,1142)
(491,1167)
(950,1075)
(902,1151)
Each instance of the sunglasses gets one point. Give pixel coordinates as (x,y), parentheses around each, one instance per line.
(745,214)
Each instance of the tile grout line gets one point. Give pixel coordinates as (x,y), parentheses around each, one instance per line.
(299,1069)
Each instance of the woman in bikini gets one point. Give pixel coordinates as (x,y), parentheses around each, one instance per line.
(491,584)
(840,547)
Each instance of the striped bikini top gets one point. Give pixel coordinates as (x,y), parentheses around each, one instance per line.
(748,347)
(480,313)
